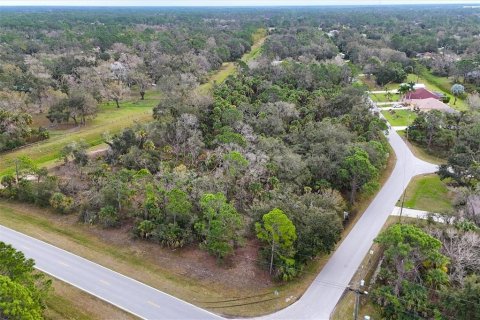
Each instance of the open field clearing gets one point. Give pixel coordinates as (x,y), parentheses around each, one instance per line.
(110,119)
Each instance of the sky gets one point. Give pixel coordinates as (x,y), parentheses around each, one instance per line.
(223,2)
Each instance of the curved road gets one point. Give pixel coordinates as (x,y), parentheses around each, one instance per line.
(318,302)
(320,299)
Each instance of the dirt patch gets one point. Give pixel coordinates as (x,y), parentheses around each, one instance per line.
(241,272)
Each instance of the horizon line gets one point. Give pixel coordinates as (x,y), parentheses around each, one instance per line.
(241,6)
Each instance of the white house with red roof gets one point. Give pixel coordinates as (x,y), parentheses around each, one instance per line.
(426,100)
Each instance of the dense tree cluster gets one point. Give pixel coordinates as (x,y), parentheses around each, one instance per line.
(429,272)
(300,42)
(65,64)
(22,289)
(295,138)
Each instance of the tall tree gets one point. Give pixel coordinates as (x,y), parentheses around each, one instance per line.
(412,264)
(116,91)
(220,225)
(178,205)
(457,91)
(279,232)
(356,170)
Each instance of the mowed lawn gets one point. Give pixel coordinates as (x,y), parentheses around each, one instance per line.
(428,193)
(110,119)
(432,82)
(384,97)
(399,118)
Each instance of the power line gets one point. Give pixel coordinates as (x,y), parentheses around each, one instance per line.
(245,304)
(239,298)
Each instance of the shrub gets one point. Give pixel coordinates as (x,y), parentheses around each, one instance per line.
(61,203)
(108,217)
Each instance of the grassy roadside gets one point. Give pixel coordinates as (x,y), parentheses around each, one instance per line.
(428,193)
(143,266)
(345,306)
(421,152)
(67,302)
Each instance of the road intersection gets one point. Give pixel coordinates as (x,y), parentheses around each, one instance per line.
(318,302)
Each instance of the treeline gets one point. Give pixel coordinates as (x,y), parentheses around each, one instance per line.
(64,67)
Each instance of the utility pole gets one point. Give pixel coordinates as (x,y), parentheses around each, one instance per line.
(358,292)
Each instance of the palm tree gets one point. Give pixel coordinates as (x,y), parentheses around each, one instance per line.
(406,88)
(457,90)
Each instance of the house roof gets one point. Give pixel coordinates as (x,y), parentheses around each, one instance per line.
(430,104)
(421,93)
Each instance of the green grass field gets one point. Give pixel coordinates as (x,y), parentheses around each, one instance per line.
(109,119)
(398,118)
(229,68)
(428,193)
(383,97)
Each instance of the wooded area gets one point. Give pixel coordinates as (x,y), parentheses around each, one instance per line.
(272,156)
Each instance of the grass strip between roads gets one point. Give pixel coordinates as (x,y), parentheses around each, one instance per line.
(399,118)
(420,152)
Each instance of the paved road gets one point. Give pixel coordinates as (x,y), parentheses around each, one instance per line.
(321,297)
(318,302)
(125,293)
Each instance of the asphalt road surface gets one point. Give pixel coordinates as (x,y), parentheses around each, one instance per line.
(123,292)
(322,296)
(318,302)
